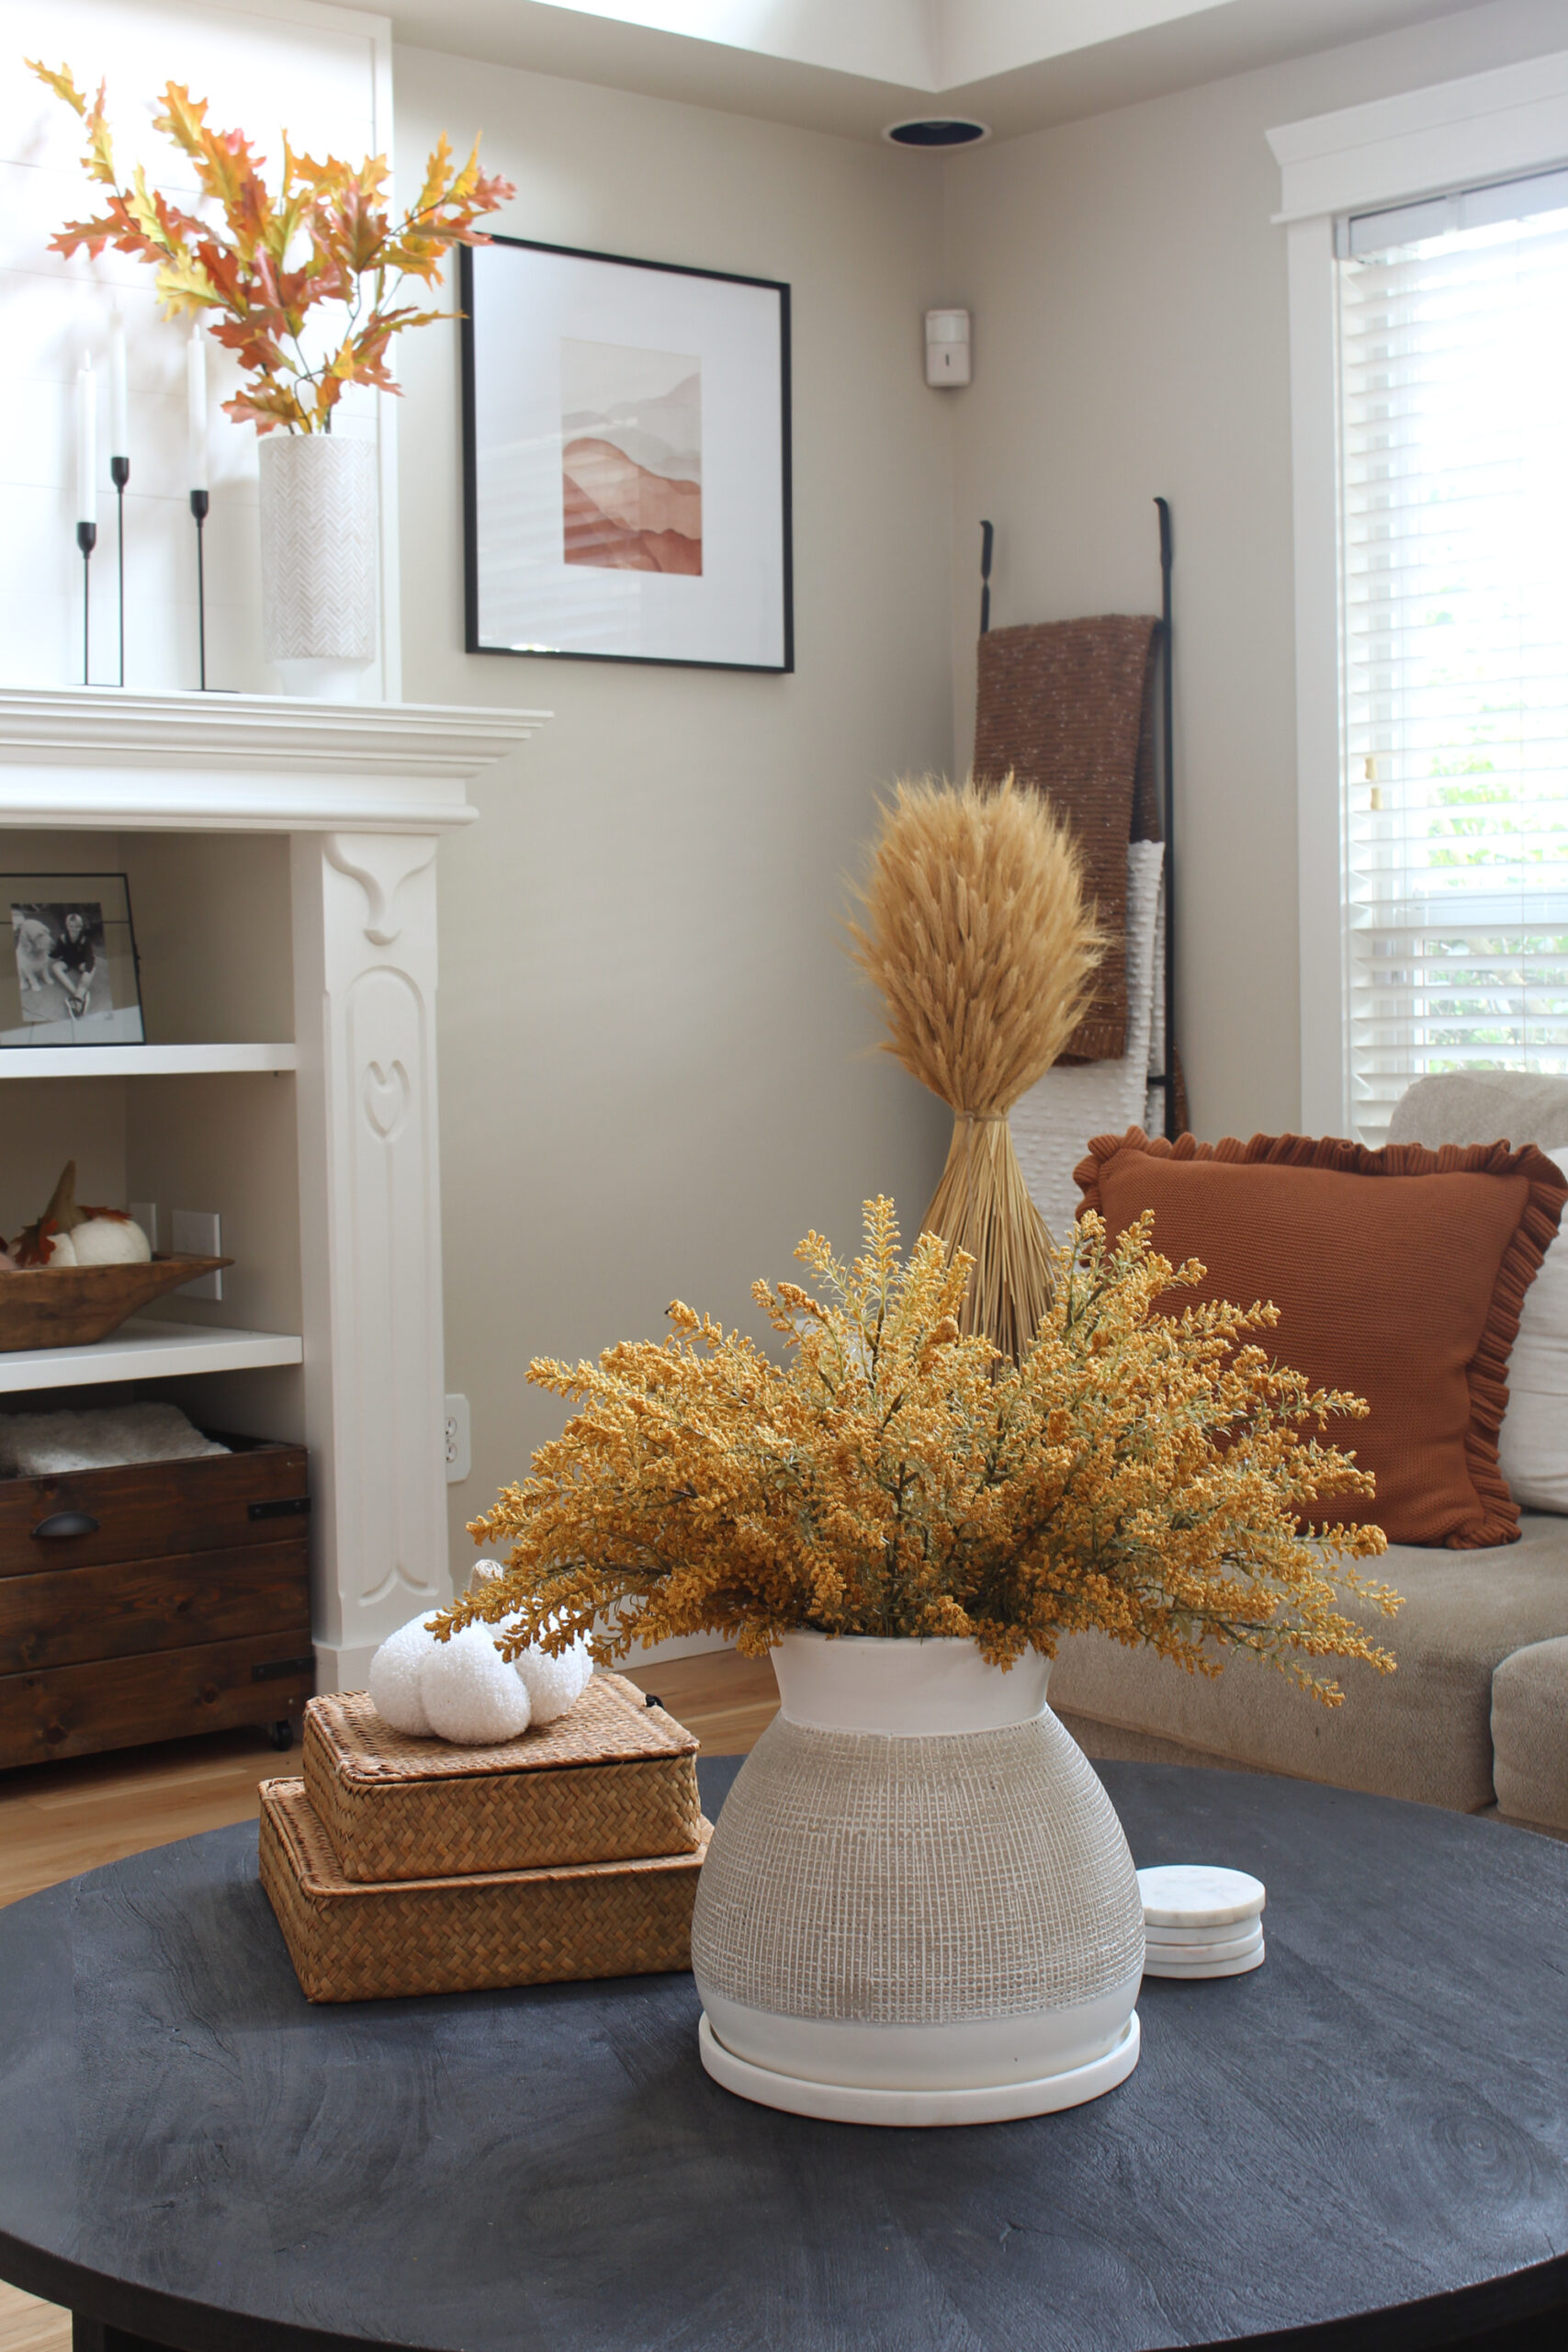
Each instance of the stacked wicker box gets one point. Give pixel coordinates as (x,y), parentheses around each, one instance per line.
(399,1866)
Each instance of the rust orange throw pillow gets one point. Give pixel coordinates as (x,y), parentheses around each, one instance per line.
(1397,1273)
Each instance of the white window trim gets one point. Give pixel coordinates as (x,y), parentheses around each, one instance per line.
(1490,126)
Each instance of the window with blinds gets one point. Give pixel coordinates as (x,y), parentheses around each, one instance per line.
(1453,448)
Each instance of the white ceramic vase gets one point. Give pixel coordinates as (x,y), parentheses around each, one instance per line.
(319,561)
(919,1907)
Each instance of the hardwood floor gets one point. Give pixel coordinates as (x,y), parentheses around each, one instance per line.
(57,1820)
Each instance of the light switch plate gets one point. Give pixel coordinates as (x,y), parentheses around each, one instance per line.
(459,1452)
(198,1233)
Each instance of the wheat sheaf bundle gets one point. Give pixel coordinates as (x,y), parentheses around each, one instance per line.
(973,928)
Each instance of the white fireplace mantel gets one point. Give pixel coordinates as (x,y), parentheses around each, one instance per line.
(366,792)
(95,756)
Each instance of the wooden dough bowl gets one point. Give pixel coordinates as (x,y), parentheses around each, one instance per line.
(70,1306)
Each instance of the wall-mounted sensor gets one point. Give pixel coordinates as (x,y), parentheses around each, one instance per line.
(947,346)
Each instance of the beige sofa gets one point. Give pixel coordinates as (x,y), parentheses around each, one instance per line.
(1476,1717)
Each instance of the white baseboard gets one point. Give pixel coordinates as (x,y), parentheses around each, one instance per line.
(344,1669)
(349,1669)
(680,1645)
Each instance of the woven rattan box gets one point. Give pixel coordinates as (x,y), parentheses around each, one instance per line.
(353,1942)
(612,1779)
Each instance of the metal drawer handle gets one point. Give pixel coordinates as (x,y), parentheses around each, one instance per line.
(285,1507)
(66,1522)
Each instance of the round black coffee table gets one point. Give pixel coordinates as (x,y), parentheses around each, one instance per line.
(1365,2143)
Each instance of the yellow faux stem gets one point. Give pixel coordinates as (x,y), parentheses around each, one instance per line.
(982,1205)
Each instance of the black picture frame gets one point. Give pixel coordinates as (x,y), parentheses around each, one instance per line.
(472,333)
(86,995)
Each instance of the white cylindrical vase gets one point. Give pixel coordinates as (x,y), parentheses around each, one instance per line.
(917,1907)
(319,545)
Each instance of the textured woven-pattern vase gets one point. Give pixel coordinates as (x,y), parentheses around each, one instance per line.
(918,1906)
(319,559)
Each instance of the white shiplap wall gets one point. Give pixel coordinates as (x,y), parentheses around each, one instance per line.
(325,74)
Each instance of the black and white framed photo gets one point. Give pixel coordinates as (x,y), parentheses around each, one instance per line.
(626,459)
(70,977)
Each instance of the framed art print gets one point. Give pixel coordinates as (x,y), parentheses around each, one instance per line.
(626,459)
(71,976)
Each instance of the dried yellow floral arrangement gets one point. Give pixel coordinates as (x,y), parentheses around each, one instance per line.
(1141,1472)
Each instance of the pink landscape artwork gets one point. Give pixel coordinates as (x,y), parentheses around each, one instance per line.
(631,457)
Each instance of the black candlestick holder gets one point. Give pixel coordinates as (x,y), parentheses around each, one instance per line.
(86,539)
(119,474)
(199,503)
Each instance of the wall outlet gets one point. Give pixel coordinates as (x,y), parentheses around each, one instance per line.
(459,1457)
(198,1233)
(145,1215)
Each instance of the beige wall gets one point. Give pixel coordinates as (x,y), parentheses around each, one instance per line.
(1131,339)
(653,1053)
(653,1066)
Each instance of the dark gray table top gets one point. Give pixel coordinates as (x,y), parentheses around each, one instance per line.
(1370,2133)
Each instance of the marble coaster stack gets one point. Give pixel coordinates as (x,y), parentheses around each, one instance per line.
(1200,1921)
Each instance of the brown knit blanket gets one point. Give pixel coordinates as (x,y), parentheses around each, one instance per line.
(1067,707)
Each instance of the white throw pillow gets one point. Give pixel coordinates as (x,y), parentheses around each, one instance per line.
(1532,1445)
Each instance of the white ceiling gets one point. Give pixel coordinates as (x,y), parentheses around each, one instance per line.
(853,65)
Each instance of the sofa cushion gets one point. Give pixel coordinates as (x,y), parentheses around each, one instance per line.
(1480,1106)
(1514,1106)
(1398,1275)
(1424,1732)
(1530,1735)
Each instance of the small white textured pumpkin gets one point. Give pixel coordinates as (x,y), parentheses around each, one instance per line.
(554,1684)
(393,1679)
(464,1691)
(470,1695)
(110,1241)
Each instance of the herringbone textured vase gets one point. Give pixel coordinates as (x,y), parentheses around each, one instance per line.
(319,547)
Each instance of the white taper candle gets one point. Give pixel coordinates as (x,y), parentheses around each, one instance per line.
(119,426)
(86,442)
(195,388)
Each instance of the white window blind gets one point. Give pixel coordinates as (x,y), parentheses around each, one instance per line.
(1453,443)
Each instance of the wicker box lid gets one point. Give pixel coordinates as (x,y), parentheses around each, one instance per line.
(612,1779)
(353,1942)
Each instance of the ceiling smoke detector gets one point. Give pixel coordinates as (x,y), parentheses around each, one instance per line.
(941,131)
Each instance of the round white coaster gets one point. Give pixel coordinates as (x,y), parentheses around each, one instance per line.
(1201,1937)
(1240,1967)
(987,2103)
(1235,1947)
(1198,1894)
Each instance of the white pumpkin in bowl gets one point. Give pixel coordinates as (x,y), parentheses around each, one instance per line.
(110,1238)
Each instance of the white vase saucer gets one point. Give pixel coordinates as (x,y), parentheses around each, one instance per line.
(982,2103)
(1196,1969)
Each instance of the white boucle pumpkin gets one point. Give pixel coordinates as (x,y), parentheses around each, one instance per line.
(62,1250)
(465,1690)
(554,1684)
(470,1693)
(110,1241)
(394,1678)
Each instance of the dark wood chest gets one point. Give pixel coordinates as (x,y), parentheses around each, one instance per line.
(152,1600)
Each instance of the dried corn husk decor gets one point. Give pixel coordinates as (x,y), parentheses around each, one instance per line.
(975,932)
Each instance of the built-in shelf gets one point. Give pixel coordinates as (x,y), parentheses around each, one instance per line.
(364,794)
(140,1061)
(145,1349)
